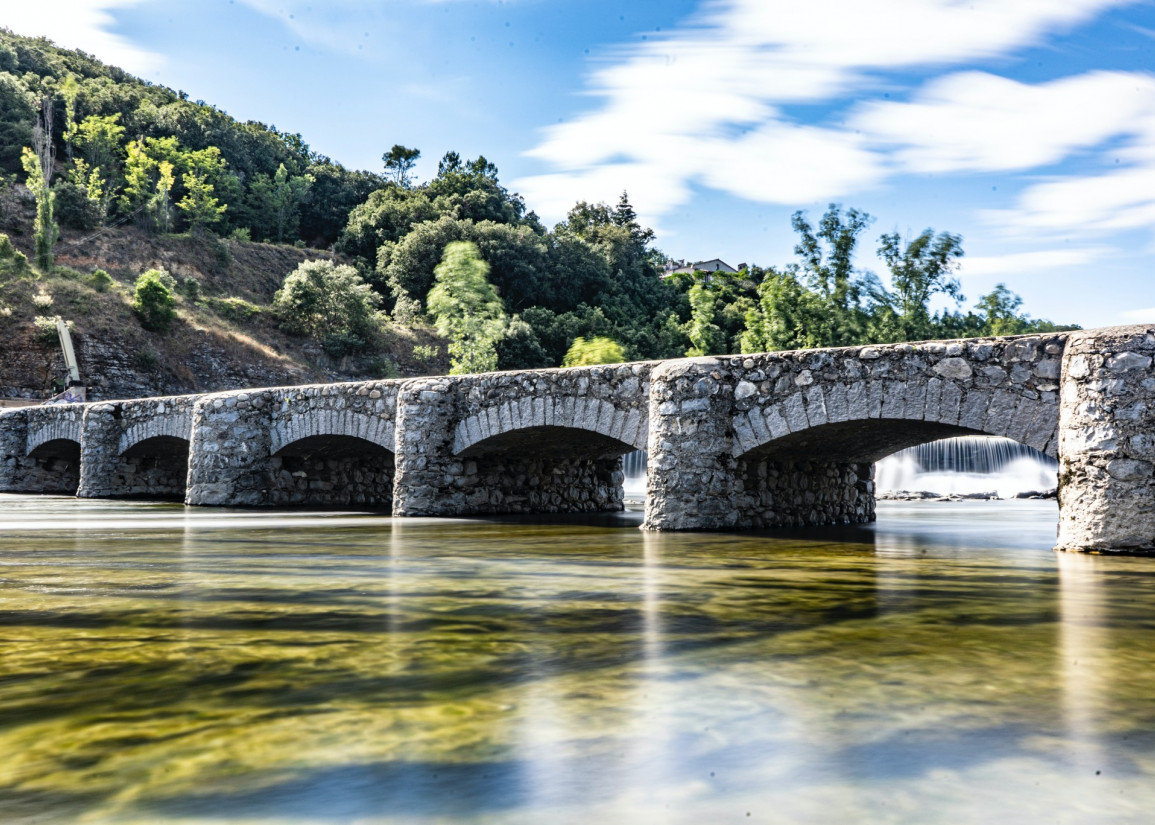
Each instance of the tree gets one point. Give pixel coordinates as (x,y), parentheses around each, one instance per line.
(583,353)
(918,272)
(17,113)
(200,206)
(705,336)
(329,303)
(153,301)
(399,162)
(828,269)
(466,309)
(46,229)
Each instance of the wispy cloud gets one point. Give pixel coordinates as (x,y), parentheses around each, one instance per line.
(82,24)
(1020,263)
(707,104)
(343,26)
(1140,315)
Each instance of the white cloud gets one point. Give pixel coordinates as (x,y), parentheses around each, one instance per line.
(974,121)
(705,102)
(1138,315)
(85,25)
(1019,263)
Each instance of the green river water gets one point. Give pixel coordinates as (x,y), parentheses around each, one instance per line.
(163,664)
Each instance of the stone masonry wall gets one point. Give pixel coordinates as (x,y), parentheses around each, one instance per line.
(137,449)
(242,443)
(513,442)
(709,414)
(1107,448)
(47,459)
(800,493)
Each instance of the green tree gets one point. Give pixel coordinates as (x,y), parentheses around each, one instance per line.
(46,230)
(918,272)
(153,301)
(399,162)
(199,205)
(583,353)
(17,112)
(705,336)
(466,309)
(329,303)
(827,267)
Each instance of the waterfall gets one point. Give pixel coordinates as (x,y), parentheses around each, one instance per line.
(634,466)
(967,466)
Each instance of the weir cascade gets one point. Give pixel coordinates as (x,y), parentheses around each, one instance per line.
(732,442)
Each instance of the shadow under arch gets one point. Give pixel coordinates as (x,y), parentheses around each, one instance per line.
(53,467)
(154,468)
(332,471)
(545,469)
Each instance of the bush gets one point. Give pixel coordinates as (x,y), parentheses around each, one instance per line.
(241,233)
(46,333)
(190,288)
(100,280)
(42,300)
(153,301)
(237,310)
(585,353)
(330,304)
(11,259)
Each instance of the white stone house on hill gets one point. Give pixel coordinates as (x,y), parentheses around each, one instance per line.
(712,265)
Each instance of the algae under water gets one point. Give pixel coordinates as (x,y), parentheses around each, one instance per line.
(164,664)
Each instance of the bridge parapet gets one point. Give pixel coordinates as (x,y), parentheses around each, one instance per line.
(789,438)
(541,441)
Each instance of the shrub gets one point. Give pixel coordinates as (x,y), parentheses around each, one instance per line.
(100,280)
(42,300)
(330,304)
(46,333)
(190,288)
(241,233)
(237,310)
(425,354)
(11,259)
(585,353)
(153,302)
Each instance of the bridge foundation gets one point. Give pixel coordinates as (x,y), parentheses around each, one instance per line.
(1107,443)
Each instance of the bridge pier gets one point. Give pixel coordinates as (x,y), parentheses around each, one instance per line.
(703,478)
(1107,444)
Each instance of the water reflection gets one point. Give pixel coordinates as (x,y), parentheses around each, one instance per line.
(941,666)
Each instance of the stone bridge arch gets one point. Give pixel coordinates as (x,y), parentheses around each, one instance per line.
(41,433)
(138,448)
(541,441)
(790,439)
(320,445)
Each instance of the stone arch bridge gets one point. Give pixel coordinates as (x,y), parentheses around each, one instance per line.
(735,442)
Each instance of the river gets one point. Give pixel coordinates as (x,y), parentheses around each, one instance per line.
(163,664)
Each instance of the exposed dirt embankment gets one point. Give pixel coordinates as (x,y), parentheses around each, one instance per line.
(225,338)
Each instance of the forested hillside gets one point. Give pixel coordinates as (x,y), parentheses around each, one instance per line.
(92,156)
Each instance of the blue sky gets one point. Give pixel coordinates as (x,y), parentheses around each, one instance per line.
(1027,126)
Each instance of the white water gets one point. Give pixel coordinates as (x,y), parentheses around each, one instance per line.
(953,466)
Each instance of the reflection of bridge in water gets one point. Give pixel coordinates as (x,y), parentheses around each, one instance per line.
(734,442)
